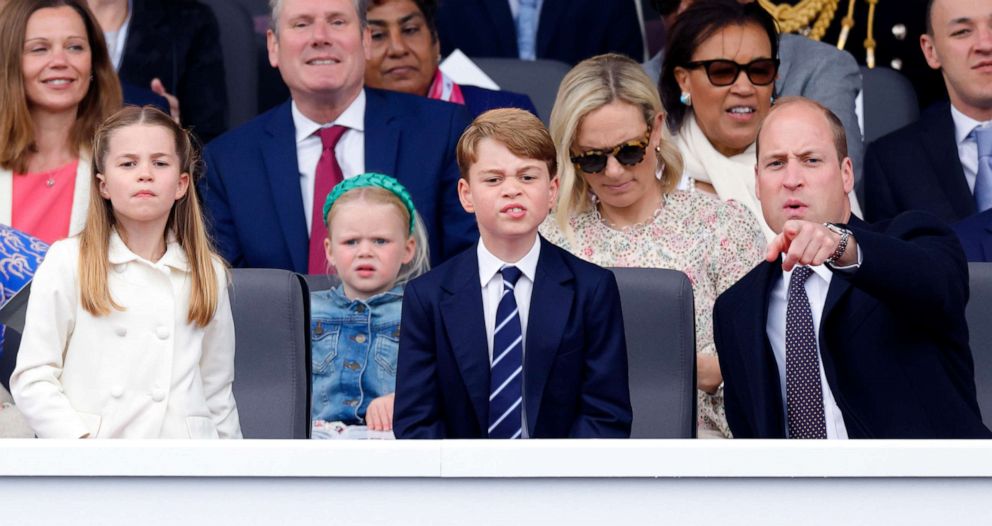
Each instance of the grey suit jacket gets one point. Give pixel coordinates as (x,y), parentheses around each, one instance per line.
(816,71)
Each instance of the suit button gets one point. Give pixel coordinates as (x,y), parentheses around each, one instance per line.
(116,391)
(896,64)
(121,331)
(158,394)
(360,338)
(162,333)
(899,31)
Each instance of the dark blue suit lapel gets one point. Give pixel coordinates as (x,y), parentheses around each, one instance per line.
(464,324)
(986,240)
(550,305)
(382,136)
(503,25)
(762,380)
(282,170)
(940,146)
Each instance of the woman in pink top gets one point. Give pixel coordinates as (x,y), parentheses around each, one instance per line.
(60,86)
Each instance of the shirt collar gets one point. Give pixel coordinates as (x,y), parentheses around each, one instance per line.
(963,125)
(175,257)
(820,270)
(489,264)
(341,299)
(353,118)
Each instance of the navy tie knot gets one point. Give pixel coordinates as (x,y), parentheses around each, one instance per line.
(510,274)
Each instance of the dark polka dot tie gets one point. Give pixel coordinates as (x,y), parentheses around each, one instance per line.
(804,393)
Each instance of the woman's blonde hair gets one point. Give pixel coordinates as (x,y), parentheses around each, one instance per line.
(185,220)
(16,126)
(590,85)
(421,262)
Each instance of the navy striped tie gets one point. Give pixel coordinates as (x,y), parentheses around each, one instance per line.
(506,374)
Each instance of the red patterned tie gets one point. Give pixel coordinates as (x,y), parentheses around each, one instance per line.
(328,174)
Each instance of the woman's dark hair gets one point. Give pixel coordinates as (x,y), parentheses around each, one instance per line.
(428,8)
(700,21)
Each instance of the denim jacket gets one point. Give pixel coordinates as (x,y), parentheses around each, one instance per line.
(354,352)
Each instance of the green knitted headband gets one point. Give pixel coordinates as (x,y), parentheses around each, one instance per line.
(371,179)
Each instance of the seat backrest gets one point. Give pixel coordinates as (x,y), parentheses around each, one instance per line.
(661,351)
(889,102)
(979,313)
(272,362)
(538,79)
(317,282)
(238,42)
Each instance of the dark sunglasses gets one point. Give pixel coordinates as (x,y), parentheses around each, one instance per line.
(722,72)
(629,153)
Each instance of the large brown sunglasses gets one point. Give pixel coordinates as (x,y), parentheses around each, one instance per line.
(629,153)
(722,72)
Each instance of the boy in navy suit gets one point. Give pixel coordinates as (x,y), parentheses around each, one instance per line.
(514,338)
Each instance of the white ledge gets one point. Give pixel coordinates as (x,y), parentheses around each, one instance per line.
(497,459)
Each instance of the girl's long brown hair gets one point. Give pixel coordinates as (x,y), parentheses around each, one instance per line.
(185,219)
(16,126)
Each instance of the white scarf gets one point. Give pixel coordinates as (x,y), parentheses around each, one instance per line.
(731,177)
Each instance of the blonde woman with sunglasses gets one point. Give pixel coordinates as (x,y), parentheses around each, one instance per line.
(619,207)
(717,84)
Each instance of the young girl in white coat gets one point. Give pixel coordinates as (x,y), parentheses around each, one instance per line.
(129,331)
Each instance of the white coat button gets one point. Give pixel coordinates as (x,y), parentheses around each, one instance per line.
(162,333)
(158,395)
(896,64)
(116,391)
(121,331)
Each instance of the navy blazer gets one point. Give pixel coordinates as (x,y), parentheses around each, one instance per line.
(252,193)
(480,100)
(575,358)
(975,234)
(178,41)
(893,339)
(917,168)
(568,30)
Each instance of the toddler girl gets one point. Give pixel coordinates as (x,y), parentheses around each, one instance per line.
(376,242)
(129,331)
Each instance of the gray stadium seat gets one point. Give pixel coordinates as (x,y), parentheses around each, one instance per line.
(661,351)
(539,79)
(979,314)
(889,102)
(238,43)
(272,363)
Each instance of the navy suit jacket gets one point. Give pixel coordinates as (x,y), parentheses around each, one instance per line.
(568,30)
(917,168)
(575,357)
(252,186)
(893,339)
(975,234)
(480,100)
(178,41)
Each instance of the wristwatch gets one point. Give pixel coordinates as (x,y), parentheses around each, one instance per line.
(844,234)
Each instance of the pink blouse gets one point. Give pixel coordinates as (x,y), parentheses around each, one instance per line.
(42,204)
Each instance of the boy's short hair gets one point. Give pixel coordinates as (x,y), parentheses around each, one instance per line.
(520,131)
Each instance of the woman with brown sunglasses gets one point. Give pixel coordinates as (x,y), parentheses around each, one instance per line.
(618,205)
(718,83)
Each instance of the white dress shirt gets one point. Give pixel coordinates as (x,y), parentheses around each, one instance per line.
(117,40)
(967,146)
(349,151)
(816,289)
(492,290)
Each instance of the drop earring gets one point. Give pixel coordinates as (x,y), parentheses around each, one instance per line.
(773,99)
(685,99)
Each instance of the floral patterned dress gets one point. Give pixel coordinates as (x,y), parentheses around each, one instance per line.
(713,242)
